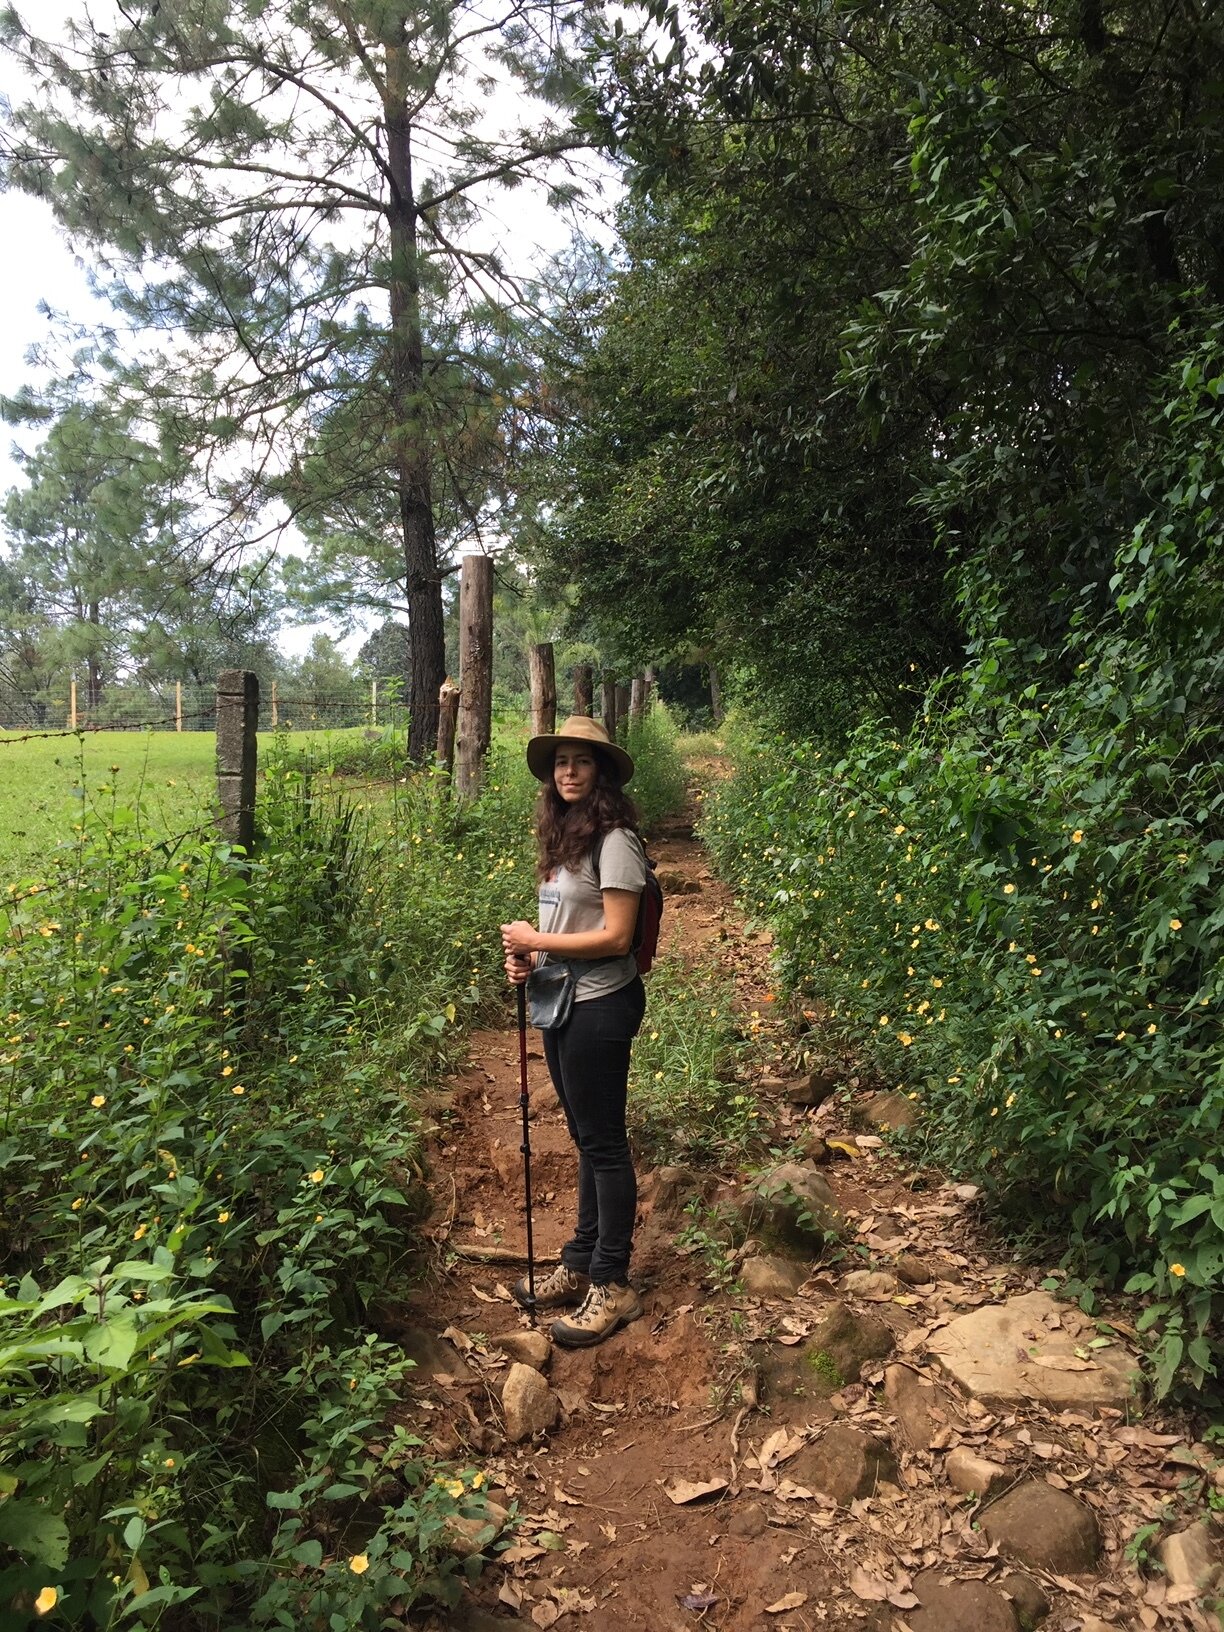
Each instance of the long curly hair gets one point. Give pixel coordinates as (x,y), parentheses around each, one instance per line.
(566,833)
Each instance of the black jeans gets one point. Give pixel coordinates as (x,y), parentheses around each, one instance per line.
(588,1060)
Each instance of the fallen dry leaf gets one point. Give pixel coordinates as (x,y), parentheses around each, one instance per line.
(545,1614)
(698,1600)
(1064,1362)
(780,1447)
(788,1491)
(460,1339)
(509,1594)
(683,1491)
(483,1296)
(873,1588)
(793,1600)
(564,1497)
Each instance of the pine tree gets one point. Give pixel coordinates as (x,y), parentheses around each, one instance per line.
(283,191)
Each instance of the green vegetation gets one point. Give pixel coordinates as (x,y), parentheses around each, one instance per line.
(685,1103)
(209,1172)
(207,1165)
(166,779)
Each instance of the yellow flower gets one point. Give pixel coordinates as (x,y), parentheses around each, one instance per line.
(223,1218)
(238,1089)
(936,982)
(169,1462)
(883,1019)
(78,1204)
(317,1176)
(1151,1030)
(1009,889)
(98,1101)
(904,1038)
(900,828)
(46,1601)
(1177,1269)
(139,1233)
(1174,923)
(227,1070)
(359,1563)
(931,923)
(1077,837)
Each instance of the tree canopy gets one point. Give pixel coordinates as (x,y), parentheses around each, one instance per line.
(282,199)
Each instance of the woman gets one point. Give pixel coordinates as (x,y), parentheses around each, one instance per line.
(587,919)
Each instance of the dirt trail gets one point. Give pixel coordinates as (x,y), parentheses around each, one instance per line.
(604,1548)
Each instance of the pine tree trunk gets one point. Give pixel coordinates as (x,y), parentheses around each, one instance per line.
(413,462)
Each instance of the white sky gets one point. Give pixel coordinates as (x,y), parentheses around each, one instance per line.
(39,266)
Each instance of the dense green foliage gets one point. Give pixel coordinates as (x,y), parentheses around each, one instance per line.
(1017,907)
(903,403)
(207,1165)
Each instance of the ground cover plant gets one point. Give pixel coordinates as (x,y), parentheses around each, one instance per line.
(209,1165)
(1016,907)
(211,1177)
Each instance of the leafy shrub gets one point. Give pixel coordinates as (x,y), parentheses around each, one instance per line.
(207,1150)
(685,1102)
(1017,907)
(659,780)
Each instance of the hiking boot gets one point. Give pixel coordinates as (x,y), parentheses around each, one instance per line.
(561,1289)
(604,1309)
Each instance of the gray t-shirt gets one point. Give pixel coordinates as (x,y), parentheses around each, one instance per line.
(571,904)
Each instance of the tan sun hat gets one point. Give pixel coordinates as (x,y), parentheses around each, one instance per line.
(578,728)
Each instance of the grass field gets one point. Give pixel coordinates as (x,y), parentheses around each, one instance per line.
(45,785)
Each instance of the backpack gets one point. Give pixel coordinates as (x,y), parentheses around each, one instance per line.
(649,914)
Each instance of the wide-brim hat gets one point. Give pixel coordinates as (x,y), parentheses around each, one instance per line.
(578,728)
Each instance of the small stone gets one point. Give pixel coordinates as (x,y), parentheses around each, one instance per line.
(529,1405)
(671,1190)
(846,1463)
(467,1537)
(813,1089)
(960,1606)
(971,1474)
(794,1204)
(772,1277)
(1191,1558)
(877,1285)
(850,1340)
(812,1147)
(749,1520)
(924,1411)
(1046,1529)
(915,1271)
(431,1355)
(531,1348)
(891,1111)
(1027,1596)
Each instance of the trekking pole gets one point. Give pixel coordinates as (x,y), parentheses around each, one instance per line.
(521,991)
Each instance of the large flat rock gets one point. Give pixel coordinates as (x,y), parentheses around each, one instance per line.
(1025,1349)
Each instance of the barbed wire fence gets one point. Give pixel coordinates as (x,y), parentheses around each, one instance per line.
(25,717)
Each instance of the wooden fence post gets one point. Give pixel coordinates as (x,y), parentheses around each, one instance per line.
(448,718)
(72,708)
(716,708)
(584,688)
(637,701)
(275,708)
(622,706)
(607,707)
(374,703)
(543,689)
(237,718)
(475,673)
(178,705)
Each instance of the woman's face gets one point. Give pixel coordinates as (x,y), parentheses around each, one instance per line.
(574,772)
